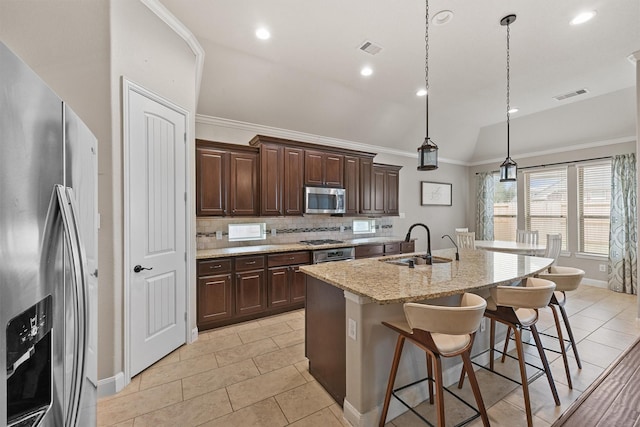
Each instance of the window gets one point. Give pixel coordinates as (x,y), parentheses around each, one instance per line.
(594,202)
(545,206)
(244,232)
(505,209)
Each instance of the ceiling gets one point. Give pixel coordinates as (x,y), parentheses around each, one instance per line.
(306,77)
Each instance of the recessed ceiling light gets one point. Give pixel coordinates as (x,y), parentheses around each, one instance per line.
(583,17)
(421,92)
(263,34)
(514,110)
(366,71)
(443,17)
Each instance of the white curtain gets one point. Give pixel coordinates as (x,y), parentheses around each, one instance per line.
(623,237)
(484,206)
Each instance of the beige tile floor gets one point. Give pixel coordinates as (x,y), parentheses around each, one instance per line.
(255,374)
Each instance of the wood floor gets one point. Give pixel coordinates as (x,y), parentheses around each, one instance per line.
(613,399)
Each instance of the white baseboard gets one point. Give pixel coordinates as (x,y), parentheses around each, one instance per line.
(112,385)
(597,283)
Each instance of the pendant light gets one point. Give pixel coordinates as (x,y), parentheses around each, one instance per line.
(508,168)
(428,151)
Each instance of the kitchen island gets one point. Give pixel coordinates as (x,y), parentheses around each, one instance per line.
(348,348)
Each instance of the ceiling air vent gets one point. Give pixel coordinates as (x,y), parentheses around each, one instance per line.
(570,94)
(370,47)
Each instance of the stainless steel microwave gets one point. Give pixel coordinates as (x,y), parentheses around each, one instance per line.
(321,200)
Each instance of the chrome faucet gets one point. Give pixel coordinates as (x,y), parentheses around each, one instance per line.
(454,244)
(407,238)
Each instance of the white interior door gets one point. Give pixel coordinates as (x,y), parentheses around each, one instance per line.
(157,229)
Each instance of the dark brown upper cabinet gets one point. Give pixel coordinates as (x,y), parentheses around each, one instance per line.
(226,180)
(323,169)
(281,180)
(352,185)
(379,187)
(211,181)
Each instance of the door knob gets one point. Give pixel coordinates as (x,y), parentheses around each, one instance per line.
(138,268)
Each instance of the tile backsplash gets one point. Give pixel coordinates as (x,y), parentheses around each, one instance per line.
(287,230)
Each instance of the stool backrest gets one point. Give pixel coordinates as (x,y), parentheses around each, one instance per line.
(554,245)
(462,230)
(461,320)
(535,293)
(466,240)
(565,278)
(525,236)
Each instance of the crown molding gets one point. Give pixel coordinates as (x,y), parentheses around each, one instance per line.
(308,137)
(587,145)
(181,30)
(634,57)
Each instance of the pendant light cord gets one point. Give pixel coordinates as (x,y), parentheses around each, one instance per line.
(426,66)
(508,89)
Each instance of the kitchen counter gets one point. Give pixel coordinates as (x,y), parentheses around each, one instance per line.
(288,247)
(348,348)
(386,283)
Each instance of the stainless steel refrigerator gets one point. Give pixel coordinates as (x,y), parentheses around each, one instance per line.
(48,255)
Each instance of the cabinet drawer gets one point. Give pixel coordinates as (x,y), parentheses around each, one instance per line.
(249,262)
(367,251)
(214,266)
(289,258)
(392,248)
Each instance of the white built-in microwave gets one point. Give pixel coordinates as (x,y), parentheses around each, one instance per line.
(321,200)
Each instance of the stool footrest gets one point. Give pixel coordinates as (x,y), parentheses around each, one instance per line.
(463,422)
(566,347)
(529,380)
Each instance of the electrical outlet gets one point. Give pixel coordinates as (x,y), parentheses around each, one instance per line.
(342,228)
(352,329)
(219,235)
(603,267)
(273,231)
(483,324)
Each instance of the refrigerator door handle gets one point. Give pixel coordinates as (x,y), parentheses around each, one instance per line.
(66,202)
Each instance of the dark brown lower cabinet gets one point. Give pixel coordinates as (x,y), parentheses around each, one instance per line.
(232,290)
(214,298)
(278,286)
(298,285)
(285,282)
(250,295)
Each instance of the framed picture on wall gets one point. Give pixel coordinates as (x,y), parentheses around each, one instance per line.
(435,193)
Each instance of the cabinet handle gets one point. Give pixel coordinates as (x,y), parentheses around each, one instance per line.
(215,266)
(250,262)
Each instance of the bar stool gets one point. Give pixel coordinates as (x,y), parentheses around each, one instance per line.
(439,331)
(517,308)
(566,279)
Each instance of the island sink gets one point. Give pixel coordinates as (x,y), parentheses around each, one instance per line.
(417,260)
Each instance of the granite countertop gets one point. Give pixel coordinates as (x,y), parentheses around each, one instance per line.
(386,283)
(288,247)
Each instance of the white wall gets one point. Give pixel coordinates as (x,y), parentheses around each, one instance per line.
(440,219)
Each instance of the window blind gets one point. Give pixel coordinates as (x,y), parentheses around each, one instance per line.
(546,203)
(594,204)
